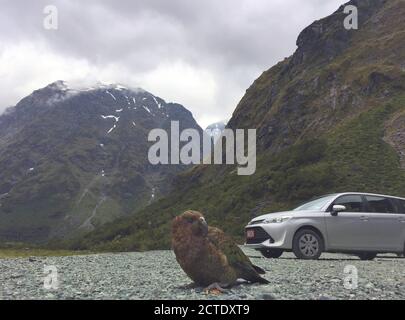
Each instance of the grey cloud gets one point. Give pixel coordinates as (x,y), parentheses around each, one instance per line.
(234,40)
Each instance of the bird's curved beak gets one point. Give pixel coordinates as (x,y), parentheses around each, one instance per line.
(204,226)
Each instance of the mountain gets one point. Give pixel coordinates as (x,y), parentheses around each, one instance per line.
(214,130)
(72,159)
(330,118)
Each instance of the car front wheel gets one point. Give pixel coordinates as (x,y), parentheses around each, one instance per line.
(271,253)
(308,245)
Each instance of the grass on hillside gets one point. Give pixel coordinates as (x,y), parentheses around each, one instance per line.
(351,157)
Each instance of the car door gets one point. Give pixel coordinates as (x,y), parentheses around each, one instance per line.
(348,230)
(401,219)
(385,227)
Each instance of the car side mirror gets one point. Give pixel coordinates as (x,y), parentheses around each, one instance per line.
(336,209)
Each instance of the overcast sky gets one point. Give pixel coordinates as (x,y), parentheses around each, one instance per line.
(203,54)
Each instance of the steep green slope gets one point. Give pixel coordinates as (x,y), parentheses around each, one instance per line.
(328,120)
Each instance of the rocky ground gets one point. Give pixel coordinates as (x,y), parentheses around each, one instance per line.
(156,275)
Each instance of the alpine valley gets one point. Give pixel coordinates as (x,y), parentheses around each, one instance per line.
(329,118)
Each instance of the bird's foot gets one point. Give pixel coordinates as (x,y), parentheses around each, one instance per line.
(214,289)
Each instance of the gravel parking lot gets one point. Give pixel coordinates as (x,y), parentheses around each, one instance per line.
(156,275)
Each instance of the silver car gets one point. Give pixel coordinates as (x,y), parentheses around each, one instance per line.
(357,223)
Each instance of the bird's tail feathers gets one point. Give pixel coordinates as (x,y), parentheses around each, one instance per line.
(250,274)
(256,278)
(258,269)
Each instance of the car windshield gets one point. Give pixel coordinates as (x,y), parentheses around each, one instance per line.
(316,204)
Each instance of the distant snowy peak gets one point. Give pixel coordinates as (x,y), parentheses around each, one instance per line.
(116,107)
(218,125)
(62,85)
(215,130)
(122,96)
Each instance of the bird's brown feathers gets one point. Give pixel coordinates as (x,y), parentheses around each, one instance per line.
(207,254)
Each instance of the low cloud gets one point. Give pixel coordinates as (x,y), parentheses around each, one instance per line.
(203,54)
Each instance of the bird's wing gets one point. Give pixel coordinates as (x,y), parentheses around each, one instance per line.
(236,258)
(226,244)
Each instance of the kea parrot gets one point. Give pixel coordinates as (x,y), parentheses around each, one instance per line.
(208,256)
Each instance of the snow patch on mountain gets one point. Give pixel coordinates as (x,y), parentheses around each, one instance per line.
(147,109)
(157,103)
(111,117)
(108,92)
(115,124)
(82,87)
(111,130)
(215,130)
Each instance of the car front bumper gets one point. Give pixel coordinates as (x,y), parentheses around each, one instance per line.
(272,235)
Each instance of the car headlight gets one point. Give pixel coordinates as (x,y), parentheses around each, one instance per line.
(277,220)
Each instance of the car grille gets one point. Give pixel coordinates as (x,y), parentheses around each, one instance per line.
(260,236)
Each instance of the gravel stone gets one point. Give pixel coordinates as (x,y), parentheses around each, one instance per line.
(156,275)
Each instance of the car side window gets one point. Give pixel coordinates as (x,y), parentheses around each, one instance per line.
(352,203)
(379,205)
(400,206)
